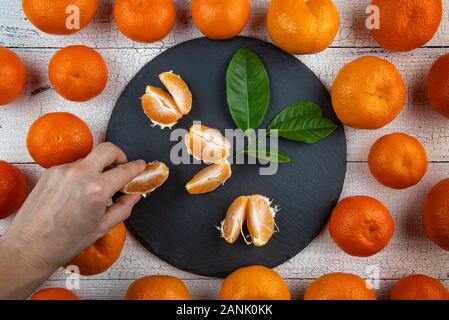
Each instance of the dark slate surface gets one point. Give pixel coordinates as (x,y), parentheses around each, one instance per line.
(180,228)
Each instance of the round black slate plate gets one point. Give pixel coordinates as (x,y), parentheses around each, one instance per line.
(180,228)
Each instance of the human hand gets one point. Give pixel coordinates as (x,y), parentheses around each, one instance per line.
(68,210)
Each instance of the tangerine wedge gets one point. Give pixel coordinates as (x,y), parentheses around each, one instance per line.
(210,178)
(260,219)
(155,174)
(178,90)
(207,144)
(232,225)
(160,107)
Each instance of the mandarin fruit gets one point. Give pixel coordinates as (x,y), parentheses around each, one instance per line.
(179,90)
(220,19)
(59,138)
(260,219)
(419,287)
(254,283)
(13,76)
(210,178)
(155,174)
(406,24)
(368,93)
(101,255)
(339,286)
(302,27)
(145,20)
(61,16)
(160,107)
(436,214)
(438,86)
(361,226)
(13,189)
(398,160)
(207,144)
(78,73)
(54,294)
(158,288)
(232,225)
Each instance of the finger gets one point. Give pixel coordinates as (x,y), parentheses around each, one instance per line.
(121,175)
(105,155)
(119,211)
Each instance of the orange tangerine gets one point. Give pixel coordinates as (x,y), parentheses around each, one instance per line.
(158,288)
(258,214)
(419,287)
(232,225)
(254,283)
(178,90)
(210,178)
(207,144)
(155,174)
(260,219)
(13,76)
(57,294)
(160,107)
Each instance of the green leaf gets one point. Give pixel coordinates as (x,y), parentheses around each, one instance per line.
(296,110)
(248,89)
(309,129)
(267,154)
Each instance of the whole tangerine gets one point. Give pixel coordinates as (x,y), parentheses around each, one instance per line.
(54,294)
(13,76)
(419,287)
(13,189)
(158,288)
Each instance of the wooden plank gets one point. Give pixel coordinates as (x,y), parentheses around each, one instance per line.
(417,118)
(17,31)
(199,288)
(409,252)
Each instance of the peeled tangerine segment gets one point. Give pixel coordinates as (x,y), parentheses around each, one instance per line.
(179,91)
(160,107)
(231,226)
(155,174)
(210,178)
(260,219)
(207,144)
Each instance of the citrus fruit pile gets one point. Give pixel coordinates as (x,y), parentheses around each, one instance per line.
(368,93)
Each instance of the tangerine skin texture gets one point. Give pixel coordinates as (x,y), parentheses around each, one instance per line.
(438,86)
(54,294)
(13,76)
(254,283)
(303,27)
(50,16)
(220,19)
(158,288)
(101,255)
(339,286)
(419,287)
(407,24)
(398,161)
(78,73)
(13,189)
(368,93)
(361,226)
(59,138)
(436,214)
(145,21)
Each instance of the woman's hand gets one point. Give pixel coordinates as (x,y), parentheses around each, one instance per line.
(66,212)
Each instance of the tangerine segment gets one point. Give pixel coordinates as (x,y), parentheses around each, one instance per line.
(179,91)
(210,178)
(231,226)
(155,174)
(207,144)
(260,219)
(160,107)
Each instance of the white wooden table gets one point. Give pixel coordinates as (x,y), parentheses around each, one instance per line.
(409,252)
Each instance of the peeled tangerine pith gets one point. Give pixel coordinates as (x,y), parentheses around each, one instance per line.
(165,109)
(258,214)
(155,174)
(210,178)
(207,144)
